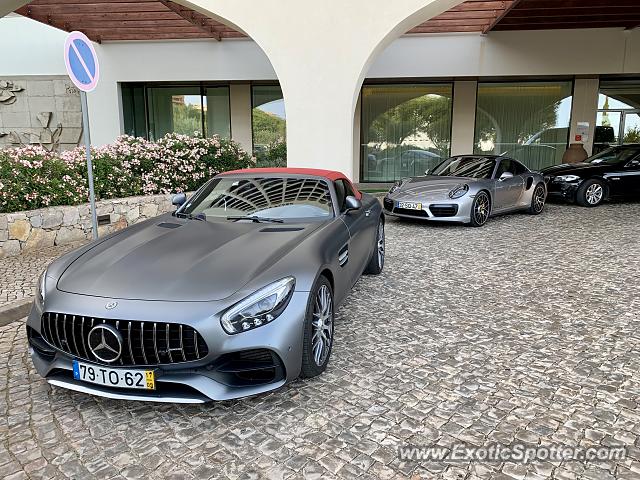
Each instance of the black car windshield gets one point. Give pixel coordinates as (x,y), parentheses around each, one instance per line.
(474,167)
(614,155)
(261,198)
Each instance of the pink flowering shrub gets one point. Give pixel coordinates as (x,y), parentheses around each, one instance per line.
(31,177)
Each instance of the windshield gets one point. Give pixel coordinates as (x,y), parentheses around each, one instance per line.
(474,167)
(614,155)
(271,198)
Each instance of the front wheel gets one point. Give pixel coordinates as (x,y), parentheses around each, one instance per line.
(537,200)
(376,264)
(480,209)
(591,193)
(318,330)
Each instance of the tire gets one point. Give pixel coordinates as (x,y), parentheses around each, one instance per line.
(480,209)
(537,200)
(591,193)
(376,263)
(314,362)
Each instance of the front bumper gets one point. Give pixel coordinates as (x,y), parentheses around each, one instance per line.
(562,190)
(444,210)
(213,377)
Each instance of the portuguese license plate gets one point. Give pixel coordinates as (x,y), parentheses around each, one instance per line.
(409,205)
(114,377)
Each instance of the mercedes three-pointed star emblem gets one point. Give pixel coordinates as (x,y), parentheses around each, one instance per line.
(105,342)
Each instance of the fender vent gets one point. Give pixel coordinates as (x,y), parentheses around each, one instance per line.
(169,225)
(343,255)
(281,229)
(529,182)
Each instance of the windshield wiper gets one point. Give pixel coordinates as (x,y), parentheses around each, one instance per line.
(200,216)
(255,218)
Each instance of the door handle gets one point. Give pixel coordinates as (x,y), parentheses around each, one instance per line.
(367,213)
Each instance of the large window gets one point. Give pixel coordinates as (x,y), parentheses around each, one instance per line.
(527,121)
(152,111)
(269,126)
(618,120)
(405,130)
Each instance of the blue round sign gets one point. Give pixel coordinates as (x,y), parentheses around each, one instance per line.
(81,61)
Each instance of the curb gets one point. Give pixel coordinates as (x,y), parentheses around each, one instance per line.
(15,311)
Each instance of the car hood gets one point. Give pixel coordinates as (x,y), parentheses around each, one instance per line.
(181,260)
(573,168)
(434,185)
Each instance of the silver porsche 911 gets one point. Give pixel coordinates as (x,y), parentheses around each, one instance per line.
(468,189)
(231,295)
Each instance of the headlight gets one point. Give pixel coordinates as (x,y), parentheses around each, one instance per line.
(41,288)
(459,191)
(395,187)
(566,178)
(259,308)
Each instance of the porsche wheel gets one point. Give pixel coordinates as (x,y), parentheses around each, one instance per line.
(318,330)
(591,193)
(376,264)
(537,200)
(480,209)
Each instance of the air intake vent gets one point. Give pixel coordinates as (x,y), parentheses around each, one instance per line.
(281,229)
(169,225)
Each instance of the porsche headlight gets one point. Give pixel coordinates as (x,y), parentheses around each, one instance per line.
(459,191)
(41,288)
(566,178)
(259,308)
(395,187)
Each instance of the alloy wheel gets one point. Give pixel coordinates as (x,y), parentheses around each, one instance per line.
(322,325)
(538,199)
(594,194)
(481,208)
(380,244)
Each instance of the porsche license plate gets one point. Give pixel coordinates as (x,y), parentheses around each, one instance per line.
(409,205)
(114,377)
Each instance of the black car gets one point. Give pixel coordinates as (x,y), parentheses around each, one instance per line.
(614,172)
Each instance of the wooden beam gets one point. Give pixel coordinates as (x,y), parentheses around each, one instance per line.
(500,16)
(54,22)
(193,17)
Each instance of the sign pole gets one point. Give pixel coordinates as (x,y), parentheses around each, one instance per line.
(87,144)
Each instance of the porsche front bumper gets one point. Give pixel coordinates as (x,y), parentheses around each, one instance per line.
(449,210)
(233,367)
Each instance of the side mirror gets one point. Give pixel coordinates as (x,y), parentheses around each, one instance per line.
(505,176)
(179,199)
(426,172)
(352,203)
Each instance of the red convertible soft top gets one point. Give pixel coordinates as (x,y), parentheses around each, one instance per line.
(312,172)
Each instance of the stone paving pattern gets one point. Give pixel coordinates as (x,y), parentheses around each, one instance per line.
(525,329)
(18,275)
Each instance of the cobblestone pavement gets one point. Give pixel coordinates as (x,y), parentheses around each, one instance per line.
(523,330)
(18,275)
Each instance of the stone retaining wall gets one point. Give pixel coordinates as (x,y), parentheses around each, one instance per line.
(25,231)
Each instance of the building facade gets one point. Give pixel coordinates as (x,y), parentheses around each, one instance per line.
(424,96)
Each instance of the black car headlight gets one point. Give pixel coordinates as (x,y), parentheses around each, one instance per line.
(566,178)
(259,308)
(459,191)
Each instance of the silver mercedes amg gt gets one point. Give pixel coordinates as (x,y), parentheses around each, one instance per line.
(231,295)
(468,189)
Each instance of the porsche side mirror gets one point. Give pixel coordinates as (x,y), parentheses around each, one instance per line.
(352,203)
(505,176)
(179,199)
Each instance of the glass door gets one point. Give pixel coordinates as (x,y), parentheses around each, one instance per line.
(630,128)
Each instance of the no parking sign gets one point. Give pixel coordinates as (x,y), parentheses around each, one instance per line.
(84,71)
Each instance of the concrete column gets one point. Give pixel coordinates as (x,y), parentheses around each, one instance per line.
(464,117)
(241,127)
(584,108)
